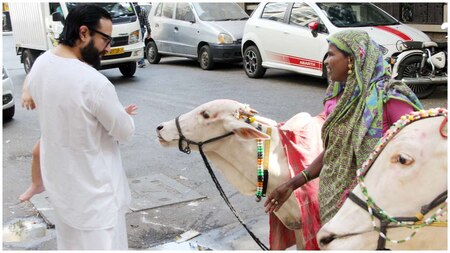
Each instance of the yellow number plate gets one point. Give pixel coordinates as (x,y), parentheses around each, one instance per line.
(114,51)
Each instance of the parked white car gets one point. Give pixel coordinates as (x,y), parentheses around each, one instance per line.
(207,32)
(8,97)
(292,35)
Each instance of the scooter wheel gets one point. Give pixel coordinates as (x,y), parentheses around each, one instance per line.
(410,68)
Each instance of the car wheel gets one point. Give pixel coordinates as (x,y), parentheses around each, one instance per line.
(8,114)
(128,69)
(152,53)
(28,60)
(253,63)
(205,58)
(409,67)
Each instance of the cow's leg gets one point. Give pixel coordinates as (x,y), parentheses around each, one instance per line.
(299,239)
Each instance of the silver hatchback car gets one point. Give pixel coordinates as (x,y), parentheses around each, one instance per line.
(208,32)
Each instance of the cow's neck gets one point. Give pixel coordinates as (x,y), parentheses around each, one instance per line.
(236,159)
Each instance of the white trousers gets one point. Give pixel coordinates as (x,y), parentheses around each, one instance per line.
(69,238)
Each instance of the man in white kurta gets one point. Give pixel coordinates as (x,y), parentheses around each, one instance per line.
(82,123)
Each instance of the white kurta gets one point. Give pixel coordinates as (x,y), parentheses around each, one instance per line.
(82,123)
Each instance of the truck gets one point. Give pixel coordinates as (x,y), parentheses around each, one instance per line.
(38,25)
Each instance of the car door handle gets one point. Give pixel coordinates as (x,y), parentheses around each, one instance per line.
(156,25)
(176,29)
(286,33)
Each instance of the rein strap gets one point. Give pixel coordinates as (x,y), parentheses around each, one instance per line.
(187,150)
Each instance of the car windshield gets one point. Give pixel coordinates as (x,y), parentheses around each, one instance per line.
(220,11)
(117,10)
(356,15)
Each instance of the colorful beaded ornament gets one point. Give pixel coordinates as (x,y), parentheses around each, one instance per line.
(260,167)
(262,164)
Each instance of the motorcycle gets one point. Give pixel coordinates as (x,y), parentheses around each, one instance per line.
(421,65)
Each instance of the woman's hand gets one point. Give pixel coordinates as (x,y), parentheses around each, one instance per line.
(131,109)
(282,192)
(277,198)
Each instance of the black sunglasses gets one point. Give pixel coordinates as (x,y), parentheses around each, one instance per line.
(107,37)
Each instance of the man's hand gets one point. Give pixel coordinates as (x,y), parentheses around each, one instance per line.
(131,109)
(27,101)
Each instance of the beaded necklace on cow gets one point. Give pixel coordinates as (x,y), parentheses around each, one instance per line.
(262,158)
(187,150)
(385,218)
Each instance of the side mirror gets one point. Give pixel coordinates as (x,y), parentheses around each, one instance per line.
(314,27)
(57,16)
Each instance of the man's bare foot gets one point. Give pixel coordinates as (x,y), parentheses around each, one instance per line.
(30,192)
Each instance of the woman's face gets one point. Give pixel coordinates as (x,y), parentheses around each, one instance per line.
(337,64)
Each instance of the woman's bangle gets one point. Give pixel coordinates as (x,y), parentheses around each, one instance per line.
(305,174)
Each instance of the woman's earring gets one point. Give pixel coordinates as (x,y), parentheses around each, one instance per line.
(350,67)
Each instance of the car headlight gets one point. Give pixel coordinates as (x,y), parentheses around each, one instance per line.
(224,38)
(134,37)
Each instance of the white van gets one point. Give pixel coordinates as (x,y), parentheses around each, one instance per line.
(37,26)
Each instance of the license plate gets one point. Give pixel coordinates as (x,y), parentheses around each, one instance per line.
(114,51)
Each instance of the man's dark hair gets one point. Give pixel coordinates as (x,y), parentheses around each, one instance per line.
(86,14)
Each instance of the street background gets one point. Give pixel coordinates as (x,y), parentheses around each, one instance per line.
(162,92)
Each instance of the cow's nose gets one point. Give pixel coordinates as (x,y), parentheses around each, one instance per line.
(160,127)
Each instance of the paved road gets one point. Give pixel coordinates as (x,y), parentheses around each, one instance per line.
(163,91)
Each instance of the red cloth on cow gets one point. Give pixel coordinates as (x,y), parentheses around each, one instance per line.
(301,147)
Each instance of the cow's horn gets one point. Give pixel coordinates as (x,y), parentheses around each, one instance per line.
(247,110)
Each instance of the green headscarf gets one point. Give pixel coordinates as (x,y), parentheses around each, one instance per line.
(352,130)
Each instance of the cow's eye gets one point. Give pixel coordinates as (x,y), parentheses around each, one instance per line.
(205,114)
(403,159)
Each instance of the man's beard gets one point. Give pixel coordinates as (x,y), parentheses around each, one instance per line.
(91,55)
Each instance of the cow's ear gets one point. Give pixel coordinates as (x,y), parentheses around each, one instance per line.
(245,130)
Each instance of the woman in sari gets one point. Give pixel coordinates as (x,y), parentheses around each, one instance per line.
(361,103)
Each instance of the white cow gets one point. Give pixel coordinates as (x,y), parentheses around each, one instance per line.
(235,156)
(409,173)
